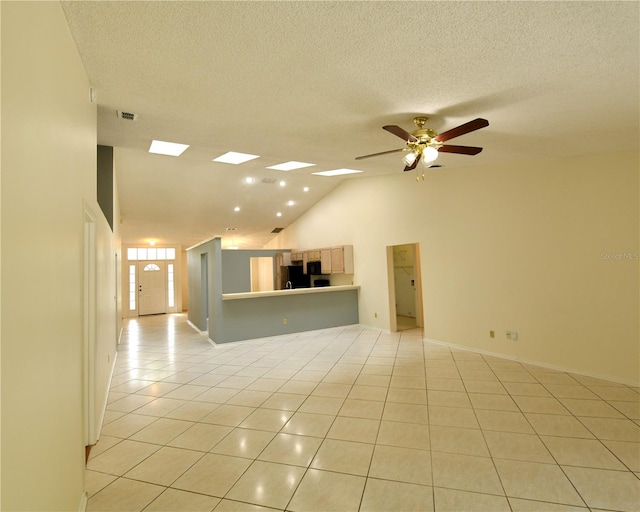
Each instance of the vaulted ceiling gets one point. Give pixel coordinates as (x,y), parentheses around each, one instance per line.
(316,81)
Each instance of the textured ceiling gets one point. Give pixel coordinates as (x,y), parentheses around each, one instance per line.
(316,81)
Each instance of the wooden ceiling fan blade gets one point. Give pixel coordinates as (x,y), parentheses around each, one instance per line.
(381,153)
(461,150)
(399,132)
(471,126)
(413,165)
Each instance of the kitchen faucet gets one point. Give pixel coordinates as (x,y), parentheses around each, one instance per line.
(289,286)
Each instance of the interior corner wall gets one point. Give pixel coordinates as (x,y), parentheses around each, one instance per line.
(0,265)
(48,173)
(203,307)
(184,281)
(547,248)
(108,303)
(117,247)
(194,286)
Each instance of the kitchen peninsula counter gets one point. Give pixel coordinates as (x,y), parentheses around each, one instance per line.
(289,292)
(221,303)
(250,315)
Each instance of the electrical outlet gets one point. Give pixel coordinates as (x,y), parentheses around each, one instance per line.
(492,334)
(284,321)
(375,315)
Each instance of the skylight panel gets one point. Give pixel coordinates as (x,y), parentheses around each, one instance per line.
(337,172)
(290,166)
(161,147)
(235,158)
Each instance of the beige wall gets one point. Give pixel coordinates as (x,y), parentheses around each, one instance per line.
(48,178)
(529,247)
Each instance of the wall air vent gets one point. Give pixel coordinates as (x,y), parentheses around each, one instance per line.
(127,116)
(277,230)
(268,180)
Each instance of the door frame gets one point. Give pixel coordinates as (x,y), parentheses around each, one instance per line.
(90,430)
(417,271)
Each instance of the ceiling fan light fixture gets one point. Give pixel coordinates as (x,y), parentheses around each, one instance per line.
(410,158)
(429,154)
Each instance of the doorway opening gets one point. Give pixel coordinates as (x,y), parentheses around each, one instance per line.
(262,279)
(405,287)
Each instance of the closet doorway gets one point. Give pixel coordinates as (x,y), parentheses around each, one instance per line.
(405,287)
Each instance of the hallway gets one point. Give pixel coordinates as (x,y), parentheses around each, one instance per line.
(354,418)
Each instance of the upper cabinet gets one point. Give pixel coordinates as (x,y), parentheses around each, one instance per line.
(342,259)
(337,260)
(325,261)
(334,260)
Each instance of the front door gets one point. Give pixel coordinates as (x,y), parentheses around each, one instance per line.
(152,287)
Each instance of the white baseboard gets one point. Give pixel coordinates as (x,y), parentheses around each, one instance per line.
(535,363)
(375,328)
(83,502)
(106,397)
(195,327)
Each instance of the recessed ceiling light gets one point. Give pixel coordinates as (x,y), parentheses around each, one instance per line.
(336,172)
(291,203)
(236,209)
(282,183)
(235,158)
(161,147)
(248,180)
(305,189)
(290,166)
(279,214)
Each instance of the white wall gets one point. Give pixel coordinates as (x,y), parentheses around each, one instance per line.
(48,166)
(521,247)
(108,317)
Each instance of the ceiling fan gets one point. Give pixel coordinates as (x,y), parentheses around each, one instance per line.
(425,144)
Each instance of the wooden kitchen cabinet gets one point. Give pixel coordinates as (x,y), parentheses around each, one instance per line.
(342,259)
(325,261)
(334,260)
(337,260)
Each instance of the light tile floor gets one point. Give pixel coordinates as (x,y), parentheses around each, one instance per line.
(354,418)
